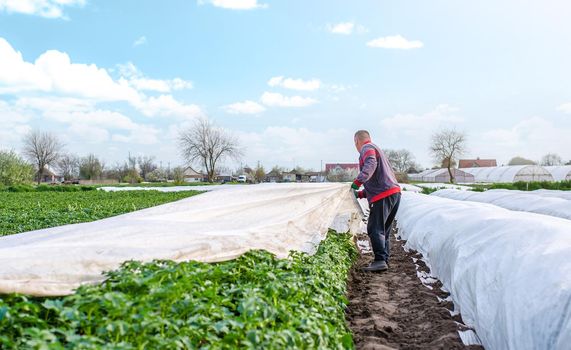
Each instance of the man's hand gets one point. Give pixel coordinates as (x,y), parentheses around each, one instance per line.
(355,185)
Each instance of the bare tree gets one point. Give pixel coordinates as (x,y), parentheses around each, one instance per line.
(206,144)
(117,171)
(401,160)
(42,149)
(146,165)
(551,159)
(446,146)
(68,165)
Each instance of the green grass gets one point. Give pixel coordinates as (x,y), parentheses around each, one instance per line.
(253,302)
(522,186)
(26,211)
(160,184)
(529,186)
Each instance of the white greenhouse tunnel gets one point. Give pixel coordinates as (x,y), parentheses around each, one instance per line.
(510,174)
(442,176)
(560,173)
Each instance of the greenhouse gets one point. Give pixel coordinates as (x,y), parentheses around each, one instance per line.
(560,173)
(510,174)
(442,176)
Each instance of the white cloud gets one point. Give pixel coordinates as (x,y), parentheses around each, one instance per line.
(132,76)
(531,138)
(180,84)
(142,40)
(338,88)
(346,28)
(246,107)
(342,28)
(87,121)
(565,108)
(17,75)
(283,145)
(235,4)
(43,8)
(278,100)
(395,42)
(88,133)
(15,123)
(418,124)
(167,106)
(295,84)
(54,72)
(143,134)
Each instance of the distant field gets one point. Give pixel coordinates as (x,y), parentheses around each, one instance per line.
(26,211)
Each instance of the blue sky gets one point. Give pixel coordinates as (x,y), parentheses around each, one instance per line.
(292,79)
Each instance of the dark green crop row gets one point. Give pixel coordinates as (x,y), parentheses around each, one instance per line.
(255,302)
(530,186)
(26,211)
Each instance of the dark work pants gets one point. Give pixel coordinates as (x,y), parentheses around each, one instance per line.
(381,217)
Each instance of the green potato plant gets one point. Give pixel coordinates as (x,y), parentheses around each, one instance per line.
(254,302)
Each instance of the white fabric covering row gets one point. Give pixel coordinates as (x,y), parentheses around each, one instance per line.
(214,226)
(509,273)
(514,200)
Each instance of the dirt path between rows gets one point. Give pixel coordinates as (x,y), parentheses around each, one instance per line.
(394,310)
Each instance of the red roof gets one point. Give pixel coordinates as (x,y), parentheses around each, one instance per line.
(476,163)
(344,166)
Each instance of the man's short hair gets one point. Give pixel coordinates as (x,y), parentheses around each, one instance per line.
(362,135)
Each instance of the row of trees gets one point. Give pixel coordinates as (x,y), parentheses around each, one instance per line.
(205,145)
(90,167)
(550,159)
(202,144)
(42,151)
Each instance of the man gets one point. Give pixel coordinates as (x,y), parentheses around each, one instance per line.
(383,194)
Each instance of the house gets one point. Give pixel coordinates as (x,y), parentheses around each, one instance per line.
(296,176)
(50,175)
(273,176)
(191,175)
(477,163)
(289,176)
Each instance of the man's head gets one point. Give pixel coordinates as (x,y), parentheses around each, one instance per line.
(361,137)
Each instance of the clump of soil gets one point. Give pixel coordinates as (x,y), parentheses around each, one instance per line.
(394,310)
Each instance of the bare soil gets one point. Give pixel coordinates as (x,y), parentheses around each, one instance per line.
(394,310)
